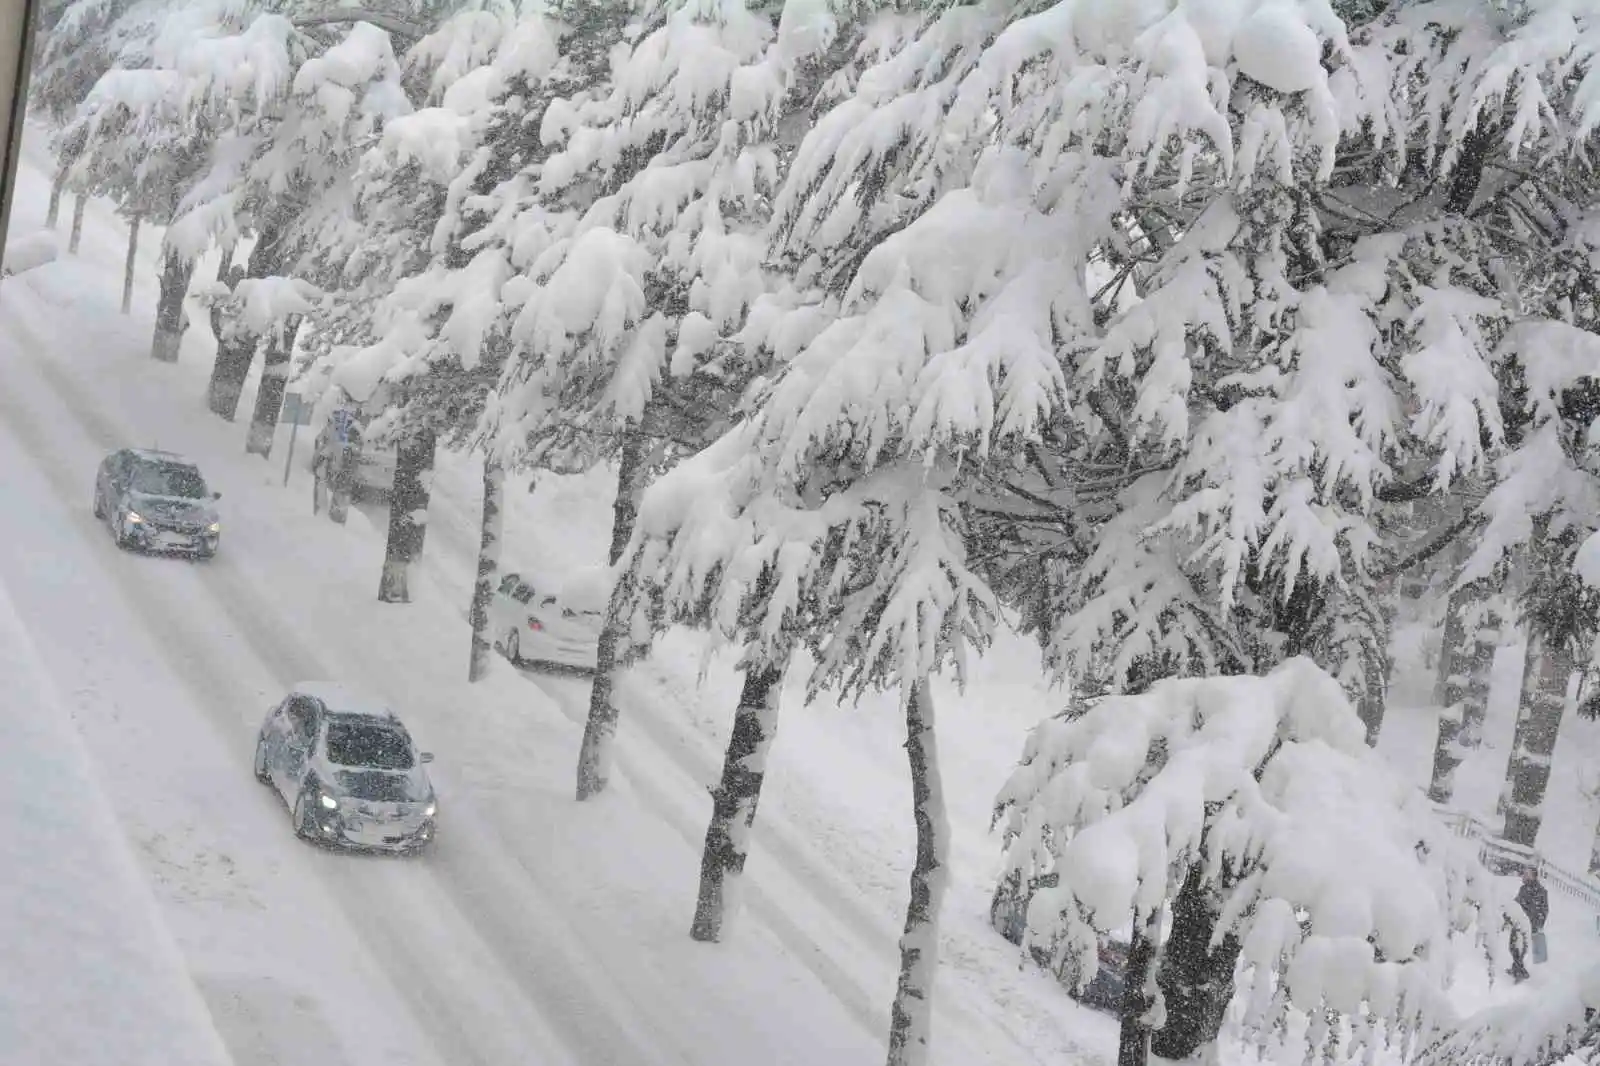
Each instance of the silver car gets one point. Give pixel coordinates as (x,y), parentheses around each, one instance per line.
(157,501)
(348,771)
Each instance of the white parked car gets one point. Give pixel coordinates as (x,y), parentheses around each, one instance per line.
(347,769)
(540,620)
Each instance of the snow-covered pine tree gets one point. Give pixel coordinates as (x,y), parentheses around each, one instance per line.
(1341,886)
(651,207)
(913,354)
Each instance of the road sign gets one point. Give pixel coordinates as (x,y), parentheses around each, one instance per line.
(295,410)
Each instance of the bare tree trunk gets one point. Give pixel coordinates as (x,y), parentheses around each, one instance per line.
(1483,637)
(494,482)
(79,201)
(1138,992)
(1545,677)
(1450,693)
(176,272)
(408,514)
(594,756)
(269,397)
(58,185)
(1196,979)
(911,1017)
(127,270)
(733,801)
(236,348)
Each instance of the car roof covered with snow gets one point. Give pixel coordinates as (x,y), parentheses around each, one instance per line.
(339,699)
(156,455)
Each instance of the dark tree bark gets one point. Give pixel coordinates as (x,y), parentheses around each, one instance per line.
(594,756)
(236,348)
(494,481)
(1133,1043)
(911,1017)
(58,185)
(1196,982)
(1483,637)
(176,272)
(79,202)
(408,513)
(1450,694)
(734,800)
(1545,676)
(127,270)
(274,380)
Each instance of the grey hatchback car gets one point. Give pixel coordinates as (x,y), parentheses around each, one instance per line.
(348,771)
(157,501)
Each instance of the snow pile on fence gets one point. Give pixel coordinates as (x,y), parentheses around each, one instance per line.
(91,976)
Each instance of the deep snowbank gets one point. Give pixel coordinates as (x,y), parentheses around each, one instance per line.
(91,976)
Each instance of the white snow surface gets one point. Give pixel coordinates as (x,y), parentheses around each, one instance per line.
(92,975)
(537,923)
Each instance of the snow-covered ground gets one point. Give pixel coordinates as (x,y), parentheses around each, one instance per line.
(539,930)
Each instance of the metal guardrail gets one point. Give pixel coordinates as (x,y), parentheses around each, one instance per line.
(1502,856)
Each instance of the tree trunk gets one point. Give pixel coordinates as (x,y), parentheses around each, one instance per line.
(733,801)
(1196,982)
(127,270)
(1483,637)
(269,397)
(175,274)
(79,202)
(1545,676)
(911,1017)
(408,515)
(1450,694)
(236,348)
(594,756)
(1133,1044)
(494,484)
(1594,853)
(58,185)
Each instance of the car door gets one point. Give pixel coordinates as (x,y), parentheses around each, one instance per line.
(294,752)
(113,476)
(501,617)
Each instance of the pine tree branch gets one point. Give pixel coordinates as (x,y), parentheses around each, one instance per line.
(1422,555)
(388,23)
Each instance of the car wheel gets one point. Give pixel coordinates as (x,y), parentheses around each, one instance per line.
(99,506)
(304,825)
(514,648)
(261,762)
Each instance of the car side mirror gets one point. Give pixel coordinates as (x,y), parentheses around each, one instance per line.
(216,495)
(426,756)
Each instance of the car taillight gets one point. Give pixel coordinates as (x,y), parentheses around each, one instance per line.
(533,624)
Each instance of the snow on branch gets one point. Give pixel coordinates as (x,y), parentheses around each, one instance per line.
(1339,881)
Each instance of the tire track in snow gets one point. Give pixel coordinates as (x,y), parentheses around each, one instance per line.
(522,946)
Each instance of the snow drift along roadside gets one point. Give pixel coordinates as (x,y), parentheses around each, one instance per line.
(92,977)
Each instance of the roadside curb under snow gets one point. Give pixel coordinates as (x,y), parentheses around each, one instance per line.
(92,975)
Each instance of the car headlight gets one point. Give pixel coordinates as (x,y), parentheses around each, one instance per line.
(427,812)
(135,517)
(214,528)
(329,802)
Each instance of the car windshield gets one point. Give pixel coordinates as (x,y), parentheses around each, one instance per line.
(368,745)
(169,479)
